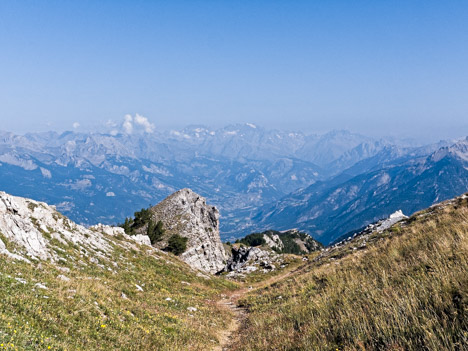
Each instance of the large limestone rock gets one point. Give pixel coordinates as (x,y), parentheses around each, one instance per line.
(187,214)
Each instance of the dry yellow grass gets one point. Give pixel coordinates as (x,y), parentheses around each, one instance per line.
(407,290)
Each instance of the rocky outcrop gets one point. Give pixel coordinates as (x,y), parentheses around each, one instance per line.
(36,231)
(32,230)
(290,241)
(379,226)
(246,259)
(391,220)
(273,241)
(186,213)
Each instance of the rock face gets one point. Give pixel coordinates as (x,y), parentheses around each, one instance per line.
(187,214)
(36,231)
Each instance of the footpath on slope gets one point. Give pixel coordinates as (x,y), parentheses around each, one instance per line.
(229,301)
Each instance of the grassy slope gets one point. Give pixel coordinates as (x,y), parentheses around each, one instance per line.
(405,289)
(89,312)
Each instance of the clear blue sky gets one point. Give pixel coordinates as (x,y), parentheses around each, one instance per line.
(313,65)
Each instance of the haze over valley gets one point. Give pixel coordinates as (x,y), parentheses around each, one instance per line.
(258,178)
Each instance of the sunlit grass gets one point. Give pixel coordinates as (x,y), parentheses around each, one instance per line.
(102,308)
(407,290)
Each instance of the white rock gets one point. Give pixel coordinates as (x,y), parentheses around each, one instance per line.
(23,221)
(107,229)
(41,286)
(394,218)
(273,242)
(141,239)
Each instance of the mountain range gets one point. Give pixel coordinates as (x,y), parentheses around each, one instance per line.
(330,209)
(258,178)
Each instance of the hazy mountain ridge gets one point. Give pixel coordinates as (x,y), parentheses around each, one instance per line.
(95,177)
(327,210)
(239,167)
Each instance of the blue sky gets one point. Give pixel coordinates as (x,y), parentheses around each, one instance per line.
(385,67)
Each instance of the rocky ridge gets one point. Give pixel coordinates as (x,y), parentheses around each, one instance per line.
(265,251)
(32,230)
(38,232)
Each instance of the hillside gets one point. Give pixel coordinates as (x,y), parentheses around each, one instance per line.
(400,284)
(65,287)
(403,288)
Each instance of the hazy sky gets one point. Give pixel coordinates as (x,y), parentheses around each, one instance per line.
(369,66)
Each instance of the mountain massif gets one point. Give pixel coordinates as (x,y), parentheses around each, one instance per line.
(330,209)
(259,179)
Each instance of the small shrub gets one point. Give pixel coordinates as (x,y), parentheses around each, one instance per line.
(142,218)
(255,239)
(32,206)
(155,231)
(177,244)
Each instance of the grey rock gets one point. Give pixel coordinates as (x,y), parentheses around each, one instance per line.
(273,241)
(187,214)
(25,221)
(141,239)
(245,260)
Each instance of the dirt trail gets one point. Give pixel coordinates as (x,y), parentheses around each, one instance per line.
(230,334)
(230,300)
